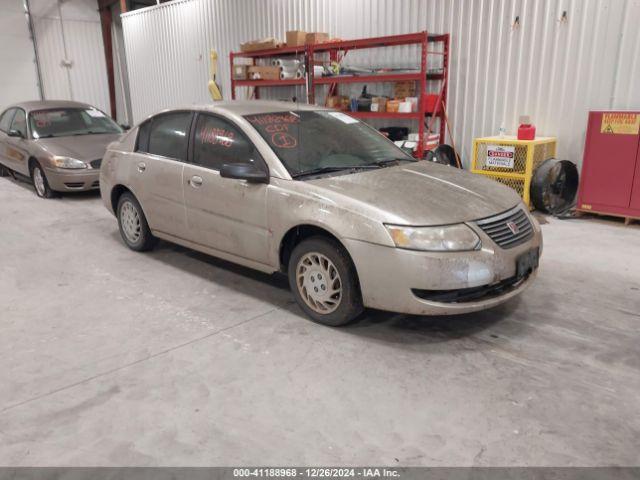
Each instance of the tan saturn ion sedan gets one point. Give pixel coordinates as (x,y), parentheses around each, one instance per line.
(57,144)
(323,197)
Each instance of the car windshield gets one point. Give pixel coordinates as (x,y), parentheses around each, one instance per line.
(317,142)
(66,122)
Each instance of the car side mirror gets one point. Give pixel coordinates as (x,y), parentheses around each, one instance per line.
(15,133)
(125,127)
(244,171)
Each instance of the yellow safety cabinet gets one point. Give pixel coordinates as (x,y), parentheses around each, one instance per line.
(511,161)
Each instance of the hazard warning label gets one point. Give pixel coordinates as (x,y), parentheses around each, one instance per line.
(620,123)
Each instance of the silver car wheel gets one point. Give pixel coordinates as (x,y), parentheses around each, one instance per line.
(38,181)
(130,221)
(319,283)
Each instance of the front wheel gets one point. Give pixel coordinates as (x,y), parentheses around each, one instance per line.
(133,225)
(40,182)
(324,282)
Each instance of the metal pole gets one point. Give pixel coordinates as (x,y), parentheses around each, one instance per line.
(27,12)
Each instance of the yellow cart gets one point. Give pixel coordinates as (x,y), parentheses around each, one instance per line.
(511,161)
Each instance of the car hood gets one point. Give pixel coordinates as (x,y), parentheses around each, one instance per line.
(82,147)
(422,193)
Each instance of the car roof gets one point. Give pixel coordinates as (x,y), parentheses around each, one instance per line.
(253,107)
(47,104)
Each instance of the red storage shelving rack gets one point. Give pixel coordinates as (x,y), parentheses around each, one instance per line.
(342,47)
(274,52)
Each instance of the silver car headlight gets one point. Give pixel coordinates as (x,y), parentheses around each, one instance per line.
(449,238)
(68,162)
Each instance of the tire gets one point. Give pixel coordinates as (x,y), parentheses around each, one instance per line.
(40,182)
(133,225)
(308,269)
(4,172)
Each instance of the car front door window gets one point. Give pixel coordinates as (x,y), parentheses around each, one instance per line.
(218,142)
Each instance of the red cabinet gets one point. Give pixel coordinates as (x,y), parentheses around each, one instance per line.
(610,180)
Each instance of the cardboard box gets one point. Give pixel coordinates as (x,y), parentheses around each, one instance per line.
(339,102)
(379,104)
(265,44)
(264,73)
(317,37)
(404,89)
(240,72)
(393,105)
(296,38)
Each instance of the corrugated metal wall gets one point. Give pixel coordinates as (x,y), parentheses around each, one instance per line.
(552,67)
(70,31)
(18,75)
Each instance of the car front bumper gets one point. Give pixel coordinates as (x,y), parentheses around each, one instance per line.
(394,279)
(73,180)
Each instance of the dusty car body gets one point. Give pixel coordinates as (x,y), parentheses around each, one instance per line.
(58,144)
(378,219)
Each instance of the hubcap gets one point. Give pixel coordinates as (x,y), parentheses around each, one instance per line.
(38,181)
(130,221)
(318,283)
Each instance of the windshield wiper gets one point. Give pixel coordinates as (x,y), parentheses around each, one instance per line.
(320,170)
(396,160)
(89,132)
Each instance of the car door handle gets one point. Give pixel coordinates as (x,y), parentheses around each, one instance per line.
(142,167)
(195,181)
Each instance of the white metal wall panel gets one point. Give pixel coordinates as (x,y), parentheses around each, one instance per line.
(18,75)
(70,30)
(51,51)
(553,69)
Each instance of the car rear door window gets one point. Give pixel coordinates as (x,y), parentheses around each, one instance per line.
(169,135)
(218,141)
(142,143)
(6,119)
(20,122)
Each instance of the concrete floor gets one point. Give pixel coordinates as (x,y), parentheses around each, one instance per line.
(111,357)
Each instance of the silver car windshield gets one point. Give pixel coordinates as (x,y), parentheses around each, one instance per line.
(317,142)
(66,122)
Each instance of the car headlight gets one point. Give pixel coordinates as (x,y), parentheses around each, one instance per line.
(449,238)
(68,162)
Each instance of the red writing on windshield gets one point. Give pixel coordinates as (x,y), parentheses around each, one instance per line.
(216,136)
(274,118)
(283,140)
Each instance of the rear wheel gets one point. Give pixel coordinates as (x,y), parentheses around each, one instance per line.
(324,282)
(40,183)
(133,225)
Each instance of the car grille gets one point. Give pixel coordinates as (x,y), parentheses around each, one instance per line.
(95,163)
(508,229)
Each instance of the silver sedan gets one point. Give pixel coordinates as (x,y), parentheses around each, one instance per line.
(322,197)
(57,144)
